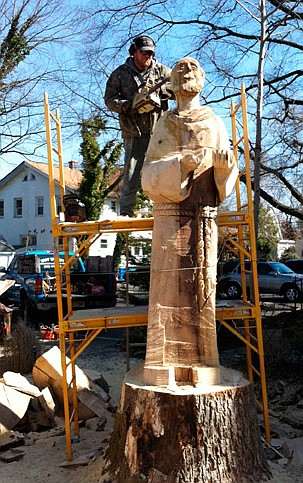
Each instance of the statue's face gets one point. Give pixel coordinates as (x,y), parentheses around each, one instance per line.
(187,77)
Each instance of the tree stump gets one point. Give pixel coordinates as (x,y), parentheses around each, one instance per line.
(184,434)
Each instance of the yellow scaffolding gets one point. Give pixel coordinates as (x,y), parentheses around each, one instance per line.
(244,247)
(242,318)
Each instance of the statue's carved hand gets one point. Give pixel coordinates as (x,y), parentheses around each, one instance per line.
(225,173)
(223,159)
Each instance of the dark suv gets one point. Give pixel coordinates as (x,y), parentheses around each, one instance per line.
(273,278)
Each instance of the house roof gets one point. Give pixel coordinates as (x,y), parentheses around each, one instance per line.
(72,177)
(115,193)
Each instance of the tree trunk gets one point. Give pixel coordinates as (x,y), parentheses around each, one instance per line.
(184,434)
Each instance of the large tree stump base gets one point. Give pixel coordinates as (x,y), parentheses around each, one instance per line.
(187,434)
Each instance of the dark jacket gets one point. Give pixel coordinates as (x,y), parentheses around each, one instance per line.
(121,86)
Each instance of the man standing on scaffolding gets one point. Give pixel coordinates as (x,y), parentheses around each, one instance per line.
(137,120)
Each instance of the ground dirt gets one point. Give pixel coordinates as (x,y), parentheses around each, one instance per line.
(45,451)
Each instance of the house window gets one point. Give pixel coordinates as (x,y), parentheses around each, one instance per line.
(25,178)
(103,243)
(113,205)
(32,177)
(28,240)
(58,205)
(17,207)
(1,208)
(39,205)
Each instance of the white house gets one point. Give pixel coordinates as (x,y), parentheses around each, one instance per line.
(25,217)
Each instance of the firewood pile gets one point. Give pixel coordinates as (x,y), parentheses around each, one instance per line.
(37,405)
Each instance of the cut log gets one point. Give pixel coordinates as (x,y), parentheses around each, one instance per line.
(184,434)
(93,404)
(47,404)
(20,383)
(13,406)
(47,372)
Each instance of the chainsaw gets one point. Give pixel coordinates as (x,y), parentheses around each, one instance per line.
(147,99)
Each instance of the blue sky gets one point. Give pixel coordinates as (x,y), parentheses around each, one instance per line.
(169,50)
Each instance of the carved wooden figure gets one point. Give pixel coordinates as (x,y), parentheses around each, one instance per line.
(188,171)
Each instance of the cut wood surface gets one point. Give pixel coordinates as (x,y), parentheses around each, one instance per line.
(47,372)
(13,406)
(20,383)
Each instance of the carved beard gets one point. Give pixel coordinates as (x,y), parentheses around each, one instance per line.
(189,86)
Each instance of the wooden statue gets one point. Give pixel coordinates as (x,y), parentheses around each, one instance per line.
(181,419)
(188,171)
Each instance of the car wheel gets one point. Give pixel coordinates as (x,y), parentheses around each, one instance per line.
(233,291)
(291,293)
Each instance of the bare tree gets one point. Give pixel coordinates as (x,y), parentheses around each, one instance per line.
(34,34)
(257,42)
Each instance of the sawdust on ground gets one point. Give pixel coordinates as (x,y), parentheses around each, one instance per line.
(45,451)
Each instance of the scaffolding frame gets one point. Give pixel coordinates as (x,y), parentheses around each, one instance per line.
(244,247)
(243,319)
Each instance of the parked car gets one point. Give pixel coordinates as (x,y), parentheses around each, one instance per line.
(296,264)
(34,290)
(273,278)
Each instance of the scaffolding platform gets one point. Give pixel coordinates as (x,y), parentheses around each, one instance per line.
(132,316)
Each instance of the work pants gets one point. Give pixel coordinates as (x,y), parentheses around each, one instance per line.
(135,149)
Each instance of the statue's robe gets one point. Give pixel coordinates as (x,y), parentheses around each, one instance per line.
(181,317)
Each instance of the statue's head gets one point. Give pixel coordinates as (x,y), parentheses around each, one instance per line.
(187,77)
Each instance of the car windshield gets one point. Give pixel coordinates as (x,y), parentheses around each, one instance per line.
(281,268)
